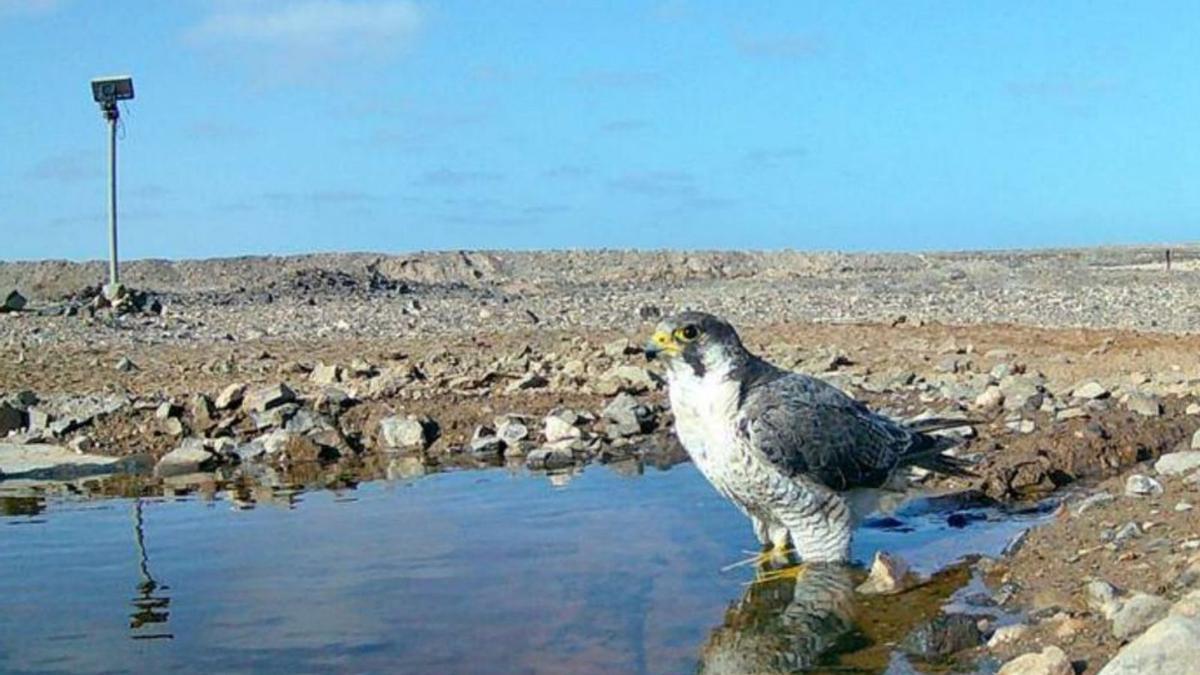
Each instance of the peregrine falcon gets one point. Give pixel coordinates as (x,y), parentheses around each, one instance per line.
(793,452)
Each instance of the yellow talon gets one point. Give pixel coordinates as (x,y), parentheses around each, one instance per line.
(794,572)
(763,558)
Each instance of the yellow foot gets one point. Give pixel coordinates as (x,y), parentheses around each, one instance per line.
(767,556)
(793,572)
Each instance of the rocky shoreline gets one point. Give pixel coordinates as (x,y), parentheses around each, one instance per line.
(324,370)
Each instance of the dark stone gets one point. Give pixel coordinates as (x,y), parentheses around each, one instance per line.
(941,637)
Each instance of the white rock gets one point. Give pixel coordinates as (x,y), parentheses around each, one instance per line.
(1007,634)
(1090,390)
(406,432)
(1144,405)
(1137,613)
(992,397)
(889,574)
(1050,661)
(1169,647)
(1178,463)
(230,396)
(190,457)
(1138,485)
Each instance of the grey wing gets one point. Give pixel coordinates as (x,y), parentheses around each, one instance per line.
(802,425)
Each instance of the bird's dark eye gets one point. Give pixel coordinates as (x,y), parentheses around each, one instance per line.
(688,333)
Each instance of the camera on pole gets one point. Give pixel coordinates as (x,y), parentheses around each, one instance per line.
(107,91)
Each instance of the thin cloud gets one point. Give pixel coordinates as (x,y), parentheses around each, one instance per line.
(769,158)
(567,172)
(15,7)
(1063,89)
(658,184)
(622,126)
(311,30)
(619,79)
(67,168)
(455,178)
(778,46)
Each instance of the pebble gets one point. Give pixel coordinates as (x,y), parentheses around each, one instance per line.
(1138,485)
(1007,635)
(1144,405)
(1178,463)
(889,575)
(1090,390)
(126,365)
(1050,661)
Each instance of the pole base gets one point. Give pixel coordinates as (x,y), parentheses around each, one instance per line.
(114,292)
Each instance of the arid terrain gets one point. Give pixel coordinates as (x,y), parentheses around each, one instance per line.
(1082,366)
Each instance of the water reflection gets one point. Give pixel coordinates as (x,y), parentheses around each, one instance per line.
(784,626)
(22,506)
(151,606)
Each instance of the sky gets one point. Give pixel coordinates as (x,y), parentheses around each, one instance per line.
(290,126)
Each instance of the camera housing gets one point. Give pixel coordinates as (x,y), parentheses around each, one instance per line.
(109,90)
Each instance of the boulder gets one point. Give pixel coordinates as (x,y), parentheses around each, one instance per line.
(1169,647)
(1137,613)
(408,432)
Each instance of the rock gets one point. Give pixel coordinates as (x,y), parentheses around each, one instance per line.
(1179,463)
(946,634)
(190,457)
(619,348)
(1094,501)
(648,312)
(1196,440)
(1007,635)
(992,397)
(1144,405)
(527,381)
(512,429)
(202,412)
(1070,414)
(265,398)
(1021,393)
(37,461)
(1090,390)
(1169,647)
(1138,485)
(1128,531)
(627,417)
(11,418)
(889,575)
(408,432)
(125,365)
(561,427)
(549,459)
(13,302)
(230,396)
(487,448)
(166,410)
(1192,409)
(1102,597)
(1136,613)
(325,374)
(1049,661)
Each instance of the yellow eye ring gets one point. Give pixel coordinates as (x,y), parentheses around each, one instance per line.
(687,333)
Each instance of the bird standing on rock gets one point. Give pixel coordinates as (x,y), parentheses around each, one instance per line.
(803,460)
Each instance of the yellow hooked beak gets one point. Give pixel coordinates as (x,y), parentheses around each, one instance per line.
(661,343)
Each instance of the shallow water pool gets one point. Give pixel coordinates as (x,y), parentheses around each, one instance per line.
(473,571)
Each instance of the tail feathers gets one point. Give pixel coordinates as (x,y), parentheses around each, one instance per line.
(937,462)
(927,450)
(928,424)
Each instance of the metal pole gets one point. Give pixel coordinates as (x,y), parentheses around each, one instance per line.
(113,276)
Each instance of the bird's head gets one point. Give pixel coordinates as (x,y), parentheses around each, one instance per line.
(702,341)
